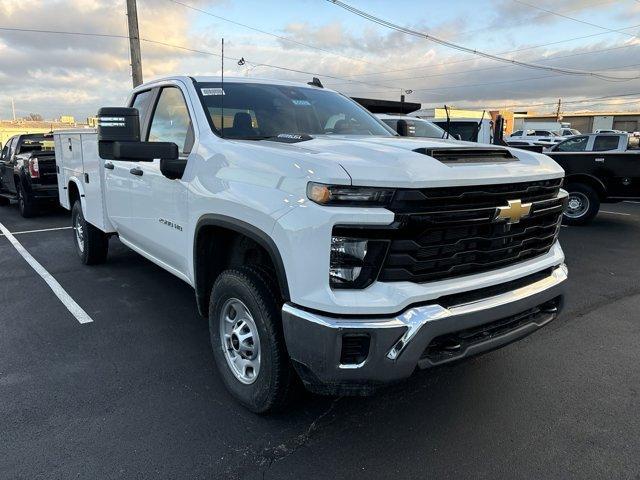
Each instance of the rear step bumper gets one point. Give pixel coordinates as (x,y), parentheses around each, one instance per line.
(357,355)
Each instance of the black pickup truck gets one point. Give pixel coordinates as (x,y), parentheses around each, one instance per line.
(599,168)
(28,173)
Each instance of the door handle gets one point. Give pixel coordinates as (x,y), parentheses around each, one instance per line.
(600,160)
(108,165)
(136,171)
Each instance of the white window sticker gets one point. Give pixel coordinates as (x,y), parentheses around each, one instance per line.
(211,91)
(301,102)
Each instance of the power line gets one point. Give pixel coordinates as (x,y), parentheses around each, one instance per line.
(523,49)
(280,37)
(444,74)
(551,12)
(499,82)
(462,48)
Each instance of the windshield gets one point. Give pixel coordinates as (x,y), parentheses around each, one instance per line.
(256,111)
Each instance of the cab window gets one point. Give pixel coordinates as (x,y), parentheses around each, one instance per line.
(171,121)
(603,143)
(577,144)
(141,103)
(517,133)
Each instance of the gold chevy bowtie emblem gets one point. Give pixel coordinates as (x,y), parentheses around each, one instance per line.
(514,212)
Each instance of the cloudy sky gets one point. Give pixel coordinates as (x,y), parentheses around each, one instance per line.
(53,74)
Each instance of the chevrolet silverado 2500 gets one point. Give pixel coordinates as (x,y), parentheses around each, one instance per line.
(321,245)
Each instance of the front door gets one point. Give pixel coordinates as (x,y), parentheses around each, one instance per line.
(159,204)
(118,178)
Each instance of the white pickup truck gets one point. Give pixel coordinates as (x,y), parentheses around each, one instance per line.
(321,246)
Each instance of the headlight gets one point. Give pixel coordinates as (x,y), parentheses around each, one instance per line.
(348,195)
(355,262)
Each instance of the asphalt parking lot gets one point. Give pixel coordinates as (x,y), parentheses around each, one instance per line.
(135,394)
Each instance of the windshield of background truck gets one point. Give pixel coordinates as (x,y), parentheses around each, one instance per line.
(418,128)
(468,131)
(255,110)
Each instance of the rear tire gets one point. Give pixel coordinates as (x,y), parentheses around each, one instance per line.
(26,205)
(247,339)
(583,205)
(92,244)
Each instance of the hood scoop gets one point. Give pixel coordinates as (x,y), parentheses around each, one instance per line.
(465,155)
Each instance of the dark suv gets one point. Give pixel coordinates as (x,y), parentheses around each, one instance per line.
(28,172)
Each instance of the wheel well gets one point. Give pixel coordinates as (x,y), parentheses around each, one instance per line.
(74,194)
(218,248)
(588,180)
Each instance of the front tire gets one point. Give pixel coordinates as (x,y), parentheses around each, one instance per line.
(26,205)
(247,339)
(92,244)
(583,204)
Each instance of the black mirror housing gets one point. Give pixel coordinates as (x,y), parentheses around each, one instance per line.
(144,151)
(116,124)
(402,128)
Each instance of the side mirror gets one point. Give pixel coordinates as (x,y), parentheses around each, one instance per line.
(402,128)
(119,138)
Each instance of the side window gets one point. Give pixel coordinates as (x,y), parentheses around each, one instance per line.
(171,121)
(5,150)
(141,102)
(392,123)
(606,142)
(577,144)
(517,133)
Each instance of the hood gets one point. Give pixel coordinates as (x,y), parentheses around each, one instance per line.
(393,161)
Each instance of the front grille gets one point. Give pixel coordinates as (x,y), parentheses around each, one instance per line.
(451,232)
(443,233)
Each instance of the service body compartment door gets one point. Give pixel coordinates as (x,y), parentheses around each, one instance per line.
(94,183)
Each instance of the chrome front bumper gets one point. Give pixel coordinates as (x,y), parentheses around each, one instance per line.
(400,343)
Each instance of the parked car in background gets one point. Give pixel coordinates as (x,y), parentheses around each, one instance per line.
(598,142)
(599,168)
(546,137)
(568,132)
(415,127)
(604,130)
(28,173)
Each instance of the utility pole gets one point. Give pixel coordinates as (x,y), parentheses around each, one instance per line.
(558,116)
(134,42)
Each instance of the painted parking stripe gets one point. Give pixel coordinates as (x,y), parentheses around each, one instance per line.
(38,231)
(75,309)
(615,213)
(630,201)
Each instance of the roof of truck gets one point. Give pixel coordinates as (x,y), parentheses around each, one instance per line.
(217,79)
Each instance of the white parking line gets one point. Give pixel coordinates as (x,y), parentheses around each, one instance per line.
(38,231)
(616,213)
(630,201)
(75,309)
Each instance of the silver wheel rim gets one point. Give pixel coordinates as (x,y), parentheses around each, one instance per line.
(240,341)
(77,227)
(578,205)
